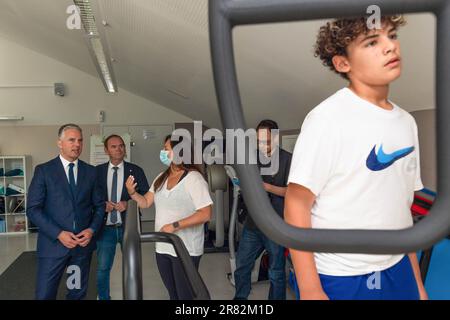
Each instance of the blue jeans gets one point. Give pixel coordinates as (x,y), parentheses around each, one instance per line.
(252,244)
(106,250)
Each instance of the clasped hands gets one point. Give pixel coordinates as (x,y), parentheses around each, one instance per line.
(70,240)
(119,207)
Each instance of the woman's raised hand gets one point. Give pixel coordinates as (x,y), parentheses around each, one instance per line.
(131,185)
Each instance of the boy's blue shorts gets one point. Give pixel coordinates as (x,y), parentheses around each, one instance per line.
(396,283)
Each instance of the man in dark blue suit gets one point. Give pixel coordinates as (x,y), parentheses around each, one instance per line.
(67,205)
(111,178)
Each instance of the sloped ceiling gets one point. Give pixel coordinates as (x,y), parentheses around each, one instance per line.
(161,52)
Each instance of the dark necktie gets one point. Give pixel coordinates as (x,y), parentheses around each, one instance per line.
(114,195)
(73,186)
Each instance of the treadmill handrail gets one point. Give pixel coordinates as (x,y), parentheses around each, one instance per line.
(198,288)
(132,259)
(131,255)
(226,14)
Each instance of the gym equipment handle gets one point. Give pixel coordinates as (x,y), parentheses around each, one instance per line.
(226,14)
(132,259)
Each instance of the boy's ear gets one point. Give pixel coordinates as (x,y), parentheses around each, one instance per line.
(341,64)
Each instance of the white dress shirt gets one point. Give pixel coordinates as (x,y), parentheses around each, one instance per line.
(120,177)
(66,167)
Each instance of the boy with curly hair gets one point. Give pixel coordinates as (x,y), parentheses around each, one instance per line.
(356,166)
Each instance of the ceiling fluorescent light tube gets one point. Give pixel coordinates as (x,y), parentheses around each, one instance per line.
(99,55)
(10,118)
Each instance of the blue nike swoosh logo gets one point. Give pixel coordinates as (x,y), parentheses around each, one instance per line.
(382,160)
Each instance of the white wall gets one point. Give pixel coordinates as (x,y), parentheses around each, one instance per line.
(39,142)
(85,94)
(426,123)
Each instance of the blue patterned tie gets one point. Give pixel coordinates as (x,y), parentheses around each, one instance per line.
(73,186)
(114,195)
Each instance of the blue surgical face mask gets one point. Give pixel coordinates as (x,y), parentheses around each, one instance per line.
(164,157)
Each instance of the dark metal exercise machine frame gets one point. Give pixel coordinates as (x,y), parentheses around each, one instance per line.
(132,258)
(224,15)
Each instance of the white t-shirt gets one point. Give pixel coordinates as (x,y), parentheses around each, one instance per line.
(189,195)
(357,186)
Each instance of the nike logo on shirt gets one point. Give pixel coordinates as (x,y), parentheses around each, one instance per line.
(381,161)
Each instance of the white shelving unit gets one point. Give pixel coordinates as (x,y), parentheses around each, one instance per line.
(14,171)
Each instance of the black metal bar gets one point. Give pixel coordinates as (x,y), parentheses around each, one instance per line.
(132,259)
(424,263)
(131,255)
(240,12)
(223,16)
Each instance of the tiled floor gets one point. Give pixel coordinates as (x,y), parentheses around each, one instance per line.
(213,269)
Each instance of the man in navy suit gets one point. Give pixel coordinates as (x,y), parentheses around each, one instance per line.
(112,177)
(65,202)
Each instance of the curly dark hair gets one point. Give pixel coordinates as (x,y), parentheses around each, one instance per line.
(334,37)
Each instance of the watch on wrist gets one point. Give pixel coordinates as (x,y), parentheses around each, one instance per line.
(176,224)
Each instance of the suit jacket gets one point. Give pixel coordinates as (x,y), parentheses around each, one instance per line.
(129,169)
(53,209)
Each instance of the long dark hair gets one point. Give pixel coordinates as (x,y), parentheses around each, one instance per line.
(183,166)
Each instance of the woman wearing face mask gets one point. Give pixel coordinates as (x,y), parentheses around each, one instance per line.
(183,206)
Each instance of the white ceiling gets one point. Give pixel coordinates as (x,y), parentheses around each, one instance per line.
(162,46)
